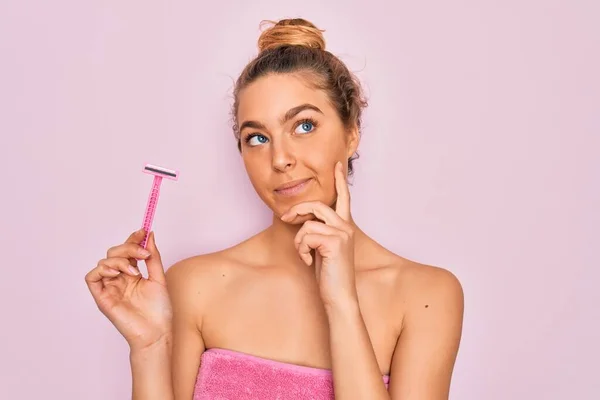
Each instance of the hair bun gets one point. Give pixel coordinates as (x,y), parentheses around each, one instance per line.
(290,32)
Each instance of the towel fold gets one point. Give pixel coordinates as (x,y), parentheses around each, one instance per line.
(230,375)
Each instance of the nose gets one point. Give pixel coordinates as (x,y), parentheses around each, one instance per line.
(283,158)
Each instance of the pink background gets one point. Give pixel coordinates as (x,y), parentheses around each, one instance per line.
(480,154)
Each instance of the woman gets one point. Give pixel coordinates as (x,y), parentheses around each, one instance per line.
(309,306)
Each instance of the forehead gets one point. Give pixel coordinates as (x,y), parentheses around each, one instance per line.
(269,97)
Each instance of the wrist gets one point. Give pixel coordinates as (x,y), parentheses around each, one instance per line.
(151,371)
(343,306)
(159,347)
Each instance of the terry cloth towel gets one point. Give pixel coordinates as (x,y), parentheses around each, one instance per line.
(231,375)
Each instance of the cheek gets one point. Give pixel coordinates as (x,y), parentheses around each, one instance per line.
(323,154)
(258,169)
(254,169)
(326,181)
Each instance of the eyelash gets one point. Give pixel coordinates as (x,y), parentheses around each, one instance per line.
(309,120)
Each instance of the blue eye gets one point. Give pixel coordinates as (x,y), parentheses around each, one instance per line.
(305,127)
(255,140)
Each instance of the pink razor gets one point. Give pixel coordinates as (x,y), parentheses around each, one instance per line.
(159,173)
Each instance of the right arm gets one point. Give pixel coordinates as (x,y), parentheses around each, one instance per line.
(165,346)
(168,369)
(188,344)
(151,371)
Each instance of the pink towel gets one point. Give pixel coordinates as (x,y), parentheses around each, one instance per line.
(231,375)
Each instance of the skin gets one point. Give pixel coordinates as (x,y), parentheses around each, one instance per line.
(343,301)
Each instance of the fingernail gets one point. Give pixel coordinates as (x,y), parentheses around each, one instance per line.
(144,253)
(134,270)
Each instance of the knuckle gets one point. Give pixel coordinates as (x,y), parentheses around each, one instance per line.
(114,251)
(123,249)
(310,224)
(108,268)
(101,263)
(111,251)
(122,263)
(342,236)
(106,262)
(114,263)
(105,268)
(131,250)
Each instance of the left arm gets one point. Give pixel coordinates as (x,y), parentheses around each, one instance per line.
(425,353)
(356,374)
(427,348)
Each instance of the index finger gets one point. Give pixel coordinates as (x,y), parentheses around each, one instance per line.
(129,250)
(342,204)
(136,237)
(316,208)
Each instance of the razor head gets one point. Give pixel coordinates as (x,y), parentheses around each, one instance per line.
(161,171)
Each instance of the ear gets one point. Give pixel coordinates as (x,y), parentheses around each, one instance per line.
(352,141)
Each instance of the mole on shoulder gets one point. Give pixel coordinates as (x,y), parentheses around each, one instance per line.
(223,274)
(426,305)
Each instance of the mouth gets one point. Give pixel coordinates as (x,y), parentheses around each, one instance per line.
(293,188)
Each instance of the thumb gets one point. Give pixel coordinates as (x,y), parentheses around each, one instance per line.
(154,263)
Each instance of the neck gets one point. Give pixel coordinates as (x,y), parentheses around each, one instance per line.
(280,237)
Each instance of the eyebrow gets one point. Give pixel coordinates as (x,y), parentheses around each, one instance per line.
(291,113)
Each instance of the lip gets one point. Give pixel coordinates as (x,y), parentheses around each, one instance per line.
(292,187)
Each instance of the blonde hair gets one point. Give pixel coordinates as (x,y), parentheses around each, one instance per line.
(298,46)
(288,32)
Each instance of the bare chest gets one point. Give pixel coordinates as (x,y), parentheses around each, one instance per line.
(281,317)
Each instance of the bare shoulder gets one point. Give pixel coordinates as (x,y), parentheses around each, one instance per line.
(205,271)
(195,283)
(422,282)
(209,265)
(416,281)
(197,268)
(433,297)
